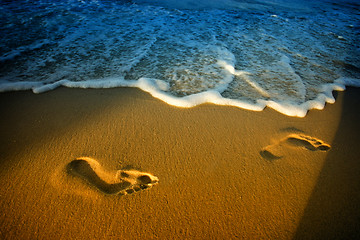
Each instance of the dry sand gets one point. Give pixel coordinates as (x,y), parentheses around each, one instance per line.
(224,173)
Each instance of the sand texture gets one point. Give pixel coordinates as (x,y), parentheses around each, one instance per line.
(119,164)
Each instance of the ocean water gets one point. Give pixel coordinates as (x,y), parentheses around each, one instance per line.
(284,54)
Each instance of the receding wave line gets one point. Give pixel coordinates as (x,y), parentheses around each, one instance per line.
(157,89)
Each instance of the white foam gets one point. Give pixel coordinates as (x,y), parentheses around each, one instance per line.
(158,89)
(214,97)
(211,96)
(94,83)
(48,87)
(18,86)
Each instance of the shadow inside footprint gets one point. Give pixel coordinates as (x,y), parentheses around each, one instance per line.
(300,143)
(268,155)
(126,182)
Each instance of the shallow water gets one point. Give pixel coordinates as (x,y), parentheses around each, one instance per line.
(250,54)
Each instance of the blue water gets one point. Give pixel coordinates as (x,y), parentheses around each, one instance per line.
(287,55)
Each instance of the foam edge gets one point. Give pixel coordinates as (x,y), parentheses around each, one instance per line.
(158,89)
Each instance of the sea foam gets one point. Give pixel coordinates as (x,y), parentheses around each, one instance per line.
(157,89)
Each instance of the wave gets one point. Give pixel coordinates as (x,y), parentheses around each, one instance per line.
(288,60)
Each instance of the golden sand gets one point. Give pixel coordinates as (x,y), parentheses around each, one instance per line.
(224,172)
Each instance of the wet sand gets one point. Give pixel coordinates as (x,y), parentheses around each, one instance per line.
(119,164)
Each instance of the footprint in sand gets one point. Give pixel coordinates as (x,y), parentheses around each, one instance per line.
(120,182)
(273,152)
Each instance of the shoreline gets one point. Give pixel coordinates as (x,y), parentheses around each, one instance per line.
(213,180)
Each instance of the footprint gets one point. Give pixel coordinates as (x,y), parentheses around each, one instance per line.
(275,151)
(120,182)
(310,143)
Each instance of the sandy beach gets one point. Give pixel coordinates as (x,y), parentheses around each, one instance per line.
(119,164)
